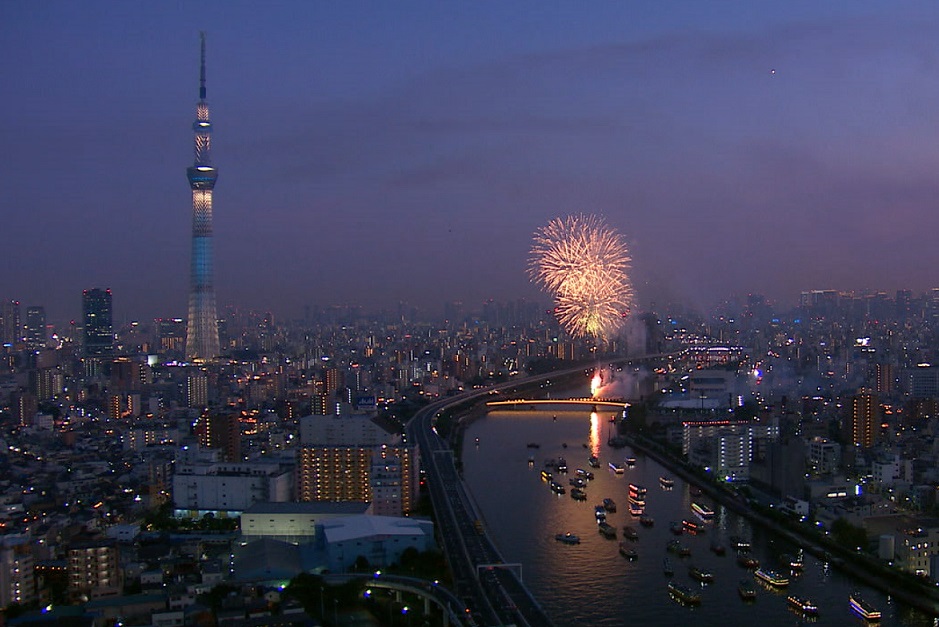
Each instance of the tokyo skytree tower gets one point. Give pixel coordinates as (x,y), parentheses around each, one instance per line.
(202,330)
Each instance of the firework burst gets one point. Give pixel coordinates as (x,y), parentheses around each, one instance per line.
(584,264)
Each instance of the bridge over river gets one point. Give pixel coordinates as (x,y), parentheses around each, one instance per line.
(613,403)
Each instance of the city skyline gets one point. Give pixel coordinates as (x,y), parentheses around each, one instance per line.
(377,154)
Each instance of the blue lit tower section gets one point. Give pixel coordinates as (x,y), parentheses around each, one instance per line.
(202,329)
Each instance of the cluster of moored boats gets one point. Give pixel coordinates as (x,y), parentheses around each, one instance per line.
(697,524)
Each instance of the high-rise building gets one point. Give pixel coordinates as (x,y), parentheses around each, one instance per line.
(864,423)
(98,323)
(10,329)
(35,328)
(202,331)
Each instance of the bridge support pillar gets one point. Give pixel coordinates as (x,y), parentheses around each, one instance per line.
(426,606)
(398,597)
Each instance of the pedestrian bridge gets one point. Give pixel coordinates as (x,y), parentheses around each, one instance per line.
(614,403)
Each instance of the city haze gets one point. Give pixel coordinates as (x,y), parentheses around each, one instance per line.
(372,153)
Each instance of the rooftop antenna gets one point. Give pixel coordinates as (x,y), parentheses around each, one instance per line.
(202,68)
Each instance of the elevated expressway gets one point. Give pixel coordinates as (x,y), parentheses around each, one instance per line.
(492,590)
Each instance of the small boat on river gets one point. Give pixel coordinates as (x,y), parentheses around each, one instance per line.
(683,594)
(700,574)
(746,590)
(802,605)
(771,577)
(567,538)
(628,552)
(862,608)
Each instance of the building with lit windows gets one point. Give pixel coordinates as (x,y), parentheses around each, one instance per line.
(356,458)
(222,432)
(98,330)
(824,455)
(35,328)
(17,571)
(11,329)
(93,569)
(864,421)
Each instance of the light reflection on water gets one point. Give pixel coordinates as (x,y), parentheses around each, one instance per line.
(591,583)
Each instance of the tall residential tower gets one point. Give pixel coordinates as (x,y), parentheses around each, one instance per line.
(202,330)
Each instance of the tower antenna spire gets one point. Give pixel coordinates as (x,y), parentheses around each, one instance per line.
(202,68)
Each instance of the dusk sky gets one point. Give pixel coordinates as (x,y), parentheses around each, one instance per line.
(376,152)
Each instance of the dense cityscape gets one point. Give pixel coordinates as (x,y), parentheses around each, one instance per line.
(349,465)
(105,427)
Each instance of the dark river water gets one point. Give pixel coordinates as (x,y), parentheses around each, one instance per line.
(591,583)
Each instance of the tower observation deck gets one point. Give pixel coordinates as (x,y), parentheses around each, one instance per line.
(202,330)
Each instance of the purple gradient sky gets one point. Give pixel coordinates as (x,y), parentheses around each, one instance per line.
(371,152)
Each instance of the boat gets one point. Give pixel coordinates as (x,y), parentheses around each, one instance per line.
(692,526)
(630,462)
(802,605)
(562,464)
(606,529)
(678,548)
(630,533)
(635,500)
(547,476)
(676,528)
(609,505)
(586,474)
(739,543)
(567,538)
(600,512)
(635,509)
(862,608)
(746,590)
(646,521)
(557,488)
(703,511)
(578,494)
(616,468)
(771,577)
(795,562)
(628,552)
(683,594)
(593,462)
(667,567)
(699,574)
(747,561)
(577,482)
(666,483)
(638,490)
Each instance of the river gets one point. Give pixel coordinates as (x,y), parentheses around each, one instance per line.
(591,583)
